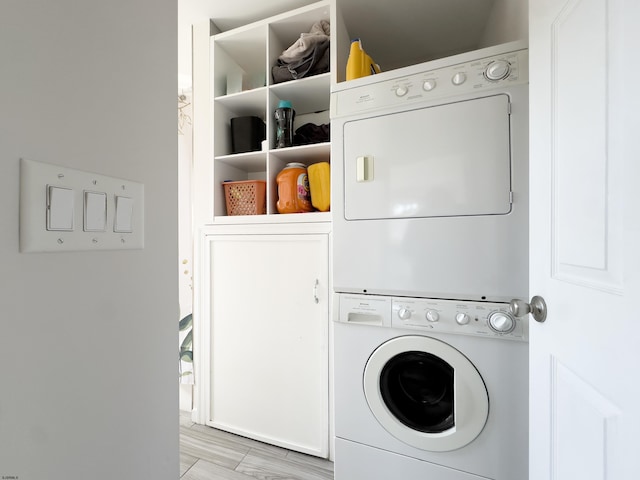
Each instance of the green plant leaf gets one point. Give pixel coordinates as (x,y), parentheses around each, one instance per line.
(186,322)
(187,343)
(186,356)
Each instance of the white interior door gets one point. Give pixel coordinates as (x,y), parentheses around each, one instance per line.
(585,241)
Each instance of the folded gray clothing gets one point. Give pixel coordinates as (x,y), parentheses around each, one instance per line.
(319,32)
(316,62)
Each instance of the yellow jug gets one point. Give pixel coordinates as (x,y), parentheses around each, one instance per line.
(359,63)
(320,185)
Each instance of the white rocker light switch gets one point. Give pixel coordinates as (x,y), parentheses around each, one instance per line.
(60,205)
(95,211)
(124,214)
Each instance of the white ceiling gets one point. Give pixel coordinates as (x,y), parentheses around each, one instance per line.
(394,32)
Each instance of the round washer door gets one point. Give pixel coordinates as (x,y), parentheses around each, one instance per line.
(426,393)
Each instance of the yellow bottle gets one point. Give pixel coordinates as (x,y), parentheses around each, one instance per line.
(359,63)
(320,185)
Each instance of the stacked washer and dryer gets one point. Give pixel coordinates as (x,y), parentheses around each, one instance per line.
(430,219)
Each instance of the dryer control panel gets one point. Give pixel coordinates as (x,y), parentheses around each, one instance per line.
(430,81)
(482,319)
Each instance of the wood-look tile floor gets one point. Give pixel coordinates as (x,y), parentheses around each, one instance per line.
(207,453)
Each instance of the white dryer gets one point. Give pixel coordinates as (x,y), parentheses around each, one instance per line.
(429,389)
(429,179)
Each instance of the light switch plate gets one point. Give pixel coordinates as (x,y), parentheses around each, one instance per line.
(36,181)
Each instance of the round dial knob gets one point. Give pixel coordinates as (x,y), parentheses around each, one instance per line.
(462,319)
(429,85)
(501,322)
(497,70)
(401,91)
(459,78)
(404,314)
(432,316)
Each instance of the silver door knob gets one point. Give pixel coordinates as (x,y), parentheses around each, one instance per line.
(537,308)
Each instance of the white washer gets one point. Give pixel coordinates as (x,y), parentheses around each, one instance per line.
(429,389)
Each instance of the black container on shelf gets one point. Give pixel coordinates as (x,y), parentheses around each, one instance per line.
(247,134)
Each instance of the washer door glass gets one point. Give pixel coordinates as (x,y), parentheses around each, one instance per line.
(426,393)
(417,387)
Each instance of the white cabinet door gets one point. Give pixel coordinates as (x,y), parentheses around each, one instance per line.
(269,335)
(585,239)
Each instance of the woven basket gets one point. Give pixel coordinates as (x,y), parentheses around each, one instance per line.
(246,197)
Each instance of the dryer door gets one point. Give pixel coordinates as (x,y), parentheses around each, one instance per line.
(440,161)
(426,393)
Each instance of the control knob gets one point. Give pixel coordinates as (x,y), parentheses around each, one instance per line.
(501,322)
(497,70)
(462,319)
(429,85)
(404,313)
(401,91)
(459,78)
(432,316)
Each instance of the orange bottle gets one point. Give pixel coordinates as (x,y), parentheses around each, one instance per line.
(293,189)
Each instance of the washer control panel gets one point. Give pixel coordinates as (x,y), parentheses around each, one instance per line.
(450,316)
(482,319)
(423,82)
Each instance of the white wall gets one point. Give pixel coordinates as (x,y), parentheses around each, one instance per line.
(509,21)
(88,354)
(185,241)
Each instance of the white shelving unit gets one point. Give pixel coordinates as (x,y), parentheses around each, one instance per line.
(262,284)
(242,85)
